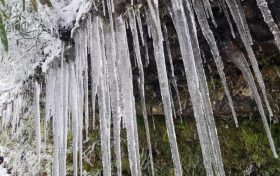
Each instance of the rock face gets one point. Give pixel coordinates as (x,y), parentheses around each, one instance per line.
(266,52)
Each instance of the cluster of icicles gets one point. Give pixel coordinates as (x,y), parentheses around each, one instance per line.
(67,88)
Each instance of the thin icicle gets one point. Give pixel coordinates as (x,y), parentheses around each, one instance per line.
(37,121)
(239,60)
(65,118)
(139,22)
(141,82)
(114,90)
(86,97)
(96,59)
(75,116)
(49,105)
(208,9)
(202,20)
(224,7)
(239,18)
(262,4)
(163,80)
(173,78)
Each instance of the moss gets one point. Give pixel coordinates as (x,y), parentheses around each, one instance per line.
(241,148)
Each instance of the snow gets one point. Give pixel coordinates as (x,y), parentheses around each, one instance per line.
(3,171)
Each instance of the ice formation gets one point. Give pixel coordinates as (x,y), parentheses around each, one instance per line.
(100,66)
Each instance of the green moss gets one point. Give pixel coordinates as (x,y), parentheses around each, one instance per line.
(241,147)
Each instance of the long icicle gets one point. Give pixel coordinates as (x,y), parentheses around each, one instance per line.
(127,97)
(239,60)
(262,4)
(104,109)
(208,34)
(240,20)
(209,117)
(173,78)
(141,82)
(163,81)
(75,116)
(37,121)
(110,40)
(185,27)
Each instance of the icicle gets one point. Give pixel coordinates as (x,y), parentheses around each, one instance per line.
(202,20)
(239,60)
(65,118)
(103,6)
(141,82)
(147,57)
(110,44)
(217,158)
(163,80)
(85,73)
(262,4)
(75,116)
(79,65)
(139,22)
(104,106)
(239,18)
(37,121)
(58,133)
(224,7)
(49,109)
(127,97)
(172,101)
(173,78)
(208,9)
(185,27)
(96,59)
